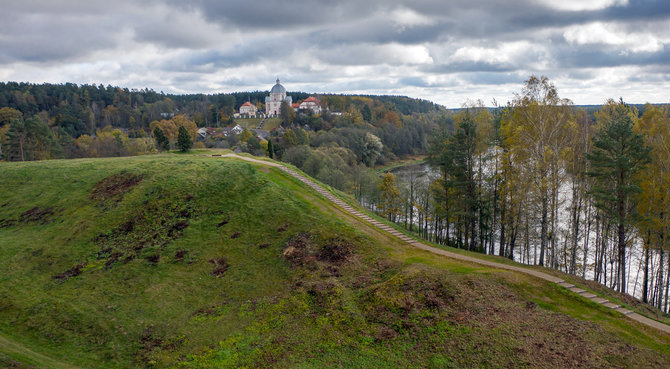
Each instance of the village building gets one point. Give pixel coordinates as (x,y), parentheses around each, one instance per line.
(237,129)
(277,96)
(248,110)
(311,103)
(202,133)
(232,131)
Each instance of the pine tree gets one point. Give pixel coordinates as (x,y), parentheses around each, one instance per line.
(16,138)
(184,140)
(31,140)
(618,154)
(366,113)
(162,141)
(270,149)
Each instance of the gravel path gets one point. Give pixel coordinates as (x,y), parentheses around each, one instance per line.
(412,242)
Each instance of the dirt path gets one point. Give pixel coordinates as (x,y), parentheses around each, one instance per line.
(11,347)
(412,242)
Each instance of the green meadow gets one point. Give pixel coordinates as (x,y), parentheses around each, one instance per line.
(193,261)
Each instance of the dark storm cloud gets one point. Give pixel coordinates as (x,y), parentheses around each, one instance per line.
(43,34)
(470,66)
(604,56)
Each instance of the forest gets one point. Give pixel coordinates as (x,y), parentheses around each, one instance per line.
(543,182)
(538,180)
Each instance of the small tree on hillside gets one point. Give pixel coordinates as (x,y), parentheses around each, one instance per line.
(390,197)
(286,113)
(184,140)
(162,141)
(270,149)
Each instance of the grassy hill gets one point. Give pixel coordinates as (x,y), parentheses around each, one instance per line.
(191,261)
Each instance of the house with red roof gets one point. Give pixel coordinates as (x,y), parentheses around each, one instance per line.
(248,110)
(311,103)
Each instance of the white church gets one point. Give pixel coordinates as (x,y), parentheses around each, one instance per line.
(273,104)
(277,96)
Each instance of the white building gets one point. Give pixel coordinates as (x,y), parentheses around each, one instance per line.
(311,103)
(248,109)
(277,96)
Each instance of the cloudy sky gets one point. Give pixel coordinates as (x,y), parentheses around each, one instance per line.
(444,51)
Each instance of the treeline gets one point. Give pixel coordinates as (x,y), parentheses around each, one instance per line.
(68,120)
(540,182)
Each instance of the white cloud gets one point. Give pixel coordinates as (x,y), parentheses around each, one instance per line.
(506,52)
(613,35)
(407,18)
(582,5)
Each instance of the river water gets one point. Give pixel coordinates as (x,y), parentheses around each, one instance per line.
(422,175)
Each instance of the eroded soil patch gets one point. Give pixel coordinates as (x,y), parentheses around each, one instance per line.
(303,250)
(220,266)
(72,272)
(147,232)
(113,187)
(35,215)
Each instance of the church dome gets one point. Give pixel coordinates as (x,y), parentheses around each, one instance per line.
(278,89)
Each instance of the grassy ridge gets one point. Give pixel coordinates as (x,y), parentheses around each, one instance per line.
(191,261)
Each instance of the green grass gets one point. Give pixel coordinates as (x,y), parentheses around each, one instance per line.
(136,303)
(252,123)
(271,124)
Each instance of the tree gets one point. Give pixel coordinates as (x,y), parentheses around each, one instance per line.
(31,140)
(535,135)
(366,112)
(654,180)
(286,113)
(461,152)
(372,148)
(271,150)
(8,115)
(618,154)
(16,139)
(162,141)
(184,140)
(390,197)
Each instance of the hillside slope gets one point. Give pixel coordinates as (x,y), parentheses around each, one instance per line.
(193,261)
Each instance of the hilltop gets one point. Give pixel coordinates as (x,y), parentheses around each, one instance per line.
(197,261)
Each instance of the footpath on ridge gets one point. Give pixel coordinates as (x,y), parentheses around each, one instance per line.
(412,242)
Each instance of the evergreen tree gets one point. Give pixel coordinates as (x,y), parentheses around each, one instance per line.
(162,141)
(31,140)
(366,113)
(270,149)
(618,154)
(16,139)
(184,140)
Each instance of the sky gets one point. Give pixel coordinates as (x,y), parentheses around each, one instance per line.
(449,52)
